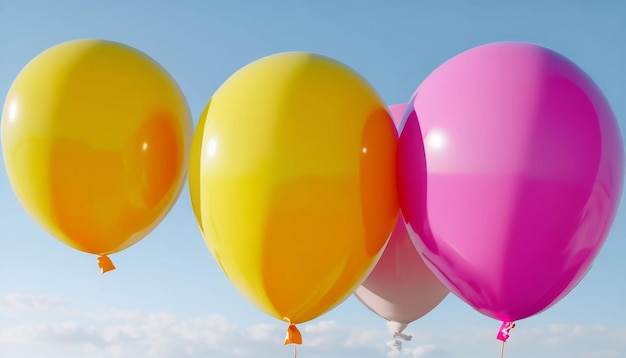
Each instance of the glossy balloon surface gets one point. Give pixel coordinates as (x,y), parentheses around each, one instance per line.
(401,288)
(525,170)
(95,138)
(295,182)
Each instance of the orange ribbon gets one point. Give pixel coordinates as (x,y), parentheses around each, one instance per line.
(105,264)
(293,335)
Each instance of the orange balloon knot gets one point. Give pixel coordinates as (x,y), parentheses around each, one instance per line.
(105,264)
(293,335)
(505,329)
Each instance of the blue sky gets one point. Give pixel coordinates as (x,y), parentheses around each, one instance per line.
(168,298)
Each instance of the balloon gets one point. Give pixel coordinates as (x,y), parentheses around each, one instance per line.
(294,182)
(95,137)
(397,111)
(401,287)
(525,169)
(194,166)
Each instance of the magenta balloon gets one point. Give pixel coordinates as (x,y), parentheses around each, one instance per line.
(525,170)
(401,287)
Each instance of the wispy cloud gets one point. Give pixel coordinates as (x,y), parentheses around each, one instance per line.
(31,302)
(112,314)
(584,341)
(111,332)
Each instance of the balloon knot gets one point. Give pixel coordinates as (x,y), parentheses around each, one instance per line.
(293,335)
(404,337)
(105,264)
(398,337)
(505,330)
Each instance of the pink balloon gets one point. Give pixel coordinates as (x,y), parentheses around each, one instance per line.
(525,170)
(400,288)
(397,111)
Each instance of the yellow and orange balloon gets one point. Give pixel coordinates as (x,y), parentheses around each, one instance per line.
(292,180)
(95,139)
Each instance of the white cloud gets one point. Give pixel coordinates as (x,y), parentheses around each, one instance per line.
(31,302)
(113,314)
(118,333)
(111,332)
(421,351)
(264,332)
(561,334)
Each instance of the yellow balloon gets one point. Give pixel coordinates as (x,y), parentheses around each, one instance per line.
(194,166)
(95,138)
(293,182)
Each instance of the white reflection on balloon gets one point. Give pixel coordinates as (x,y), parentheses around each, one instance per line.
(12,112)
(435,140)
(211,147)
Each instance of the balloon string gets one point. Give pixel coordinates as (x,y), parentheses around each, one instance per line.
(502,350)
(295,352)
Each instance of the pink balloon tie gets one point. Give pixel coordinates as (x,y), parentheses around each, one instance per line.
(504,333)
